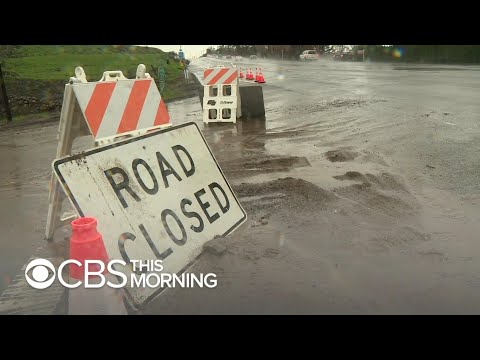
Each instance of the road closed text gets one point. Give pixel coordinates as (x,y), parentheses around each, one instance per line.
(144,179)
(157,196)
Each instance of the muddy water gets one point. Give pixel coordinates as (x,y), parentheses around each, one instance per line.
(362,189)
(26,155)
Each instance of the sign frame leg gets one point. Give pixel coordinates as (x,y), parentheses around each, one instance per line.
(65,141)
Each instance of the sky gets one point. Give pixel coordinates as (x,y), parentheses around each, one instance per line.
(189,50)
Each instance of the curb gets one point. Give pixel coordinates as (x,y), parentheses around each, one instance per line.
(23,124)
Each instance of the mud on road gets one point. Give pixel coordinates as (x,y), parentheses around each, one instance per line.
(304,243)
(349,210)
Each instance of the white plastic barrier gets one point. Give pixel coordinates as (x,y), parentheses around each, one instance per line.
(220,97)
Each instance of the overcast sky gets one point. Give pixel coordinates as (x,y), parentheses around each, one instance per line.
(189,50)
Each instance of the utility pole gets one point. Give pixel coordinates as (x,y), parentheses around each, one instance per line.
(3,89)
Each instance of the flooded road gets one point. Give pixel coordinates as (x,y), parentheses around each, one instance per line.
(362,188)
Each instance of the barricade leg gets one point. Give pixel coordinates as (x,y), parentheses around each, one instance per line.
(69,128)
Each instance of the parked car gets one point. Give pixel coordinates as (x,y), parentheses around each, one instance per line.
(309,55)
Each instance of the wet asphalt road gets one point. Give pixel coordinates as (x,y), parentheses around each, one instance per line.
(415,251)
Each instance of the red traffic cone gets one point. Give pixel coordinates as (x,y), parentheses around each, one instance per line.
(261,78)
(241,73)
(86,243)
(256,74)
(250,74)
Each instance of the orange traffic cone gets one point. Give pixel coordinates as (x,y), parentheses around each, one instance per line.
(250,74)
(256,74)
(86,243)
(261,78)
(241,74)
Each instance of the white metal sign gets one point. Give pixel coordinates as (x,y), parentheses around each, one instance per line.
(156,196)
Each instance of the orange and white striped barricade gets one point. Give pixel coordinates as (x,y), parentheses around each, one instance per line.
(220,96)
(110,109)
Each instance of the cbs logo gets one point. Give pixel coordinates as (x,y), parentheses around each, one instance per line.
(40,273)
(41,269)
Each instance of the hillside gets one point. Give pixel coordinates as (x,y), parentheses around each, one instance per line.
(35,75)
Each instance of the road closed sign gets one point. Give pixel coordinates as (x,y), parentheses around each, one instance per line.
(159,196)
